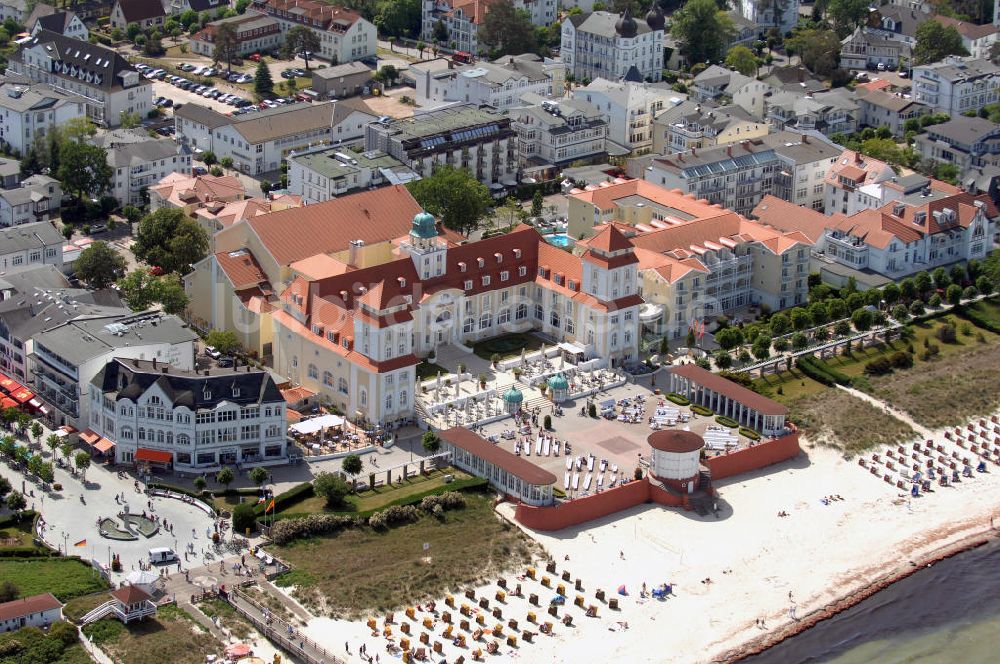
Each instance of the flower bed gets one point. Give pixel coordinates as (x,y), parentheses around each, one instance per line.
(750,433)
(678,399)
(726,421)
(701,410)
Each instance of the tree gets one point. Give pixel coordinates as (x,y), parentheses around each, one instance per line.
(847,14)
(258,476)
(507,30)
(225,477)
(141,290)
(387,74)
(941,278)
(84,169)
(398,18)
(818,49)
(36,431)
(8,591)
(99,266)
(226,162)
(16,502)
(244,518)
(537,201)
(922,281)
(200,483)
(984,285)
(303,41)
(82,462)
(819,313)
(761,347)
(431,442)
(891,294)
(729,338)
(702,30)
(331,487)
(862,320)
(453,195)
(227,45)
(935,41)
(352,465)
(263,84)
(723,360)
(52,441)
(742,59)
(779,324)
(800,318)
(224,341)
(953,294)
(440,32)
(5,487)
(171,240)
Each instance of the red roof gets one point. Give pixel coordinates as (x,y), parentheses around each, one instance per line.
(728,388)
(609,240)
(675,440)
(89,437)
(496,455)
(129,595)
(156,456)
(26,606)
(241,267)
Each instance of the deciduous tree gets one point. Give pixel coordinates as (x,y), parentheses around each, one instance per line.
(742,59)
(84,169)
(99,266)
(507,30)
(227,45)
(171,240)
(453,195)
(703,30)
(935,41)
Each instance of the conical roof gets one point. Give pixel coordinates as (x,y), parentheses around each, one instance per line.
(513,395)
(559,382)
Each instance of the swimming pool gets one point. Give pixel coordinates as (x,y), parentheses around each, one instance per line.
(559,240)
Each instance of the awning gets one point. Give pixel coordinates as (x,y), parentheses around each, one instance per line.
(103,445)
(574,348)
(23,395)
(9,384)
(7,402)
(154,456)
(315,424)
(89,437)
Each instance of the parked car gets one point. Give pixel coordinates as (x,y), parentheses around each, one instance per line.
(211,352)
(225,362)
(244,78)
(255,57)
(167,102)
(98,228)
(199,170)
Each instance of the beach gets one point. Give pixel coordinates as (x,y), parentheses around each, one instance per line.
(747,565)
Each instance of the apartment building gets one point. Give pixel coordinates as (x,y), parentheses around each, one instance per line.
(344,35)
(36,198)
(476,138)
(829,113)
(805,159)
(610,46)
(957,84)
(766,14)
(630,108)
(969,143)
(864,49)
(106,81)
(690,124)
(851,183)
(552,134)
(189,420)
(192,192)
(977,39)
(28,112)
(462,19)
(139,162)
(500,84)
(146,14)
(717,84)
(883,109)
(735,176)
(65,22)
(66,357)
(321,173)
(29,245)
(255,33)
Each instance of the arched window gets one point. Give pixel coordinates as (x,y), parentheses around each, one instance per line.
(159,436)
(402,399)
(126,433)
(183,439)
(554,320)
(328,378)
(142,433)
(363,397)
(313,371)
(342,385)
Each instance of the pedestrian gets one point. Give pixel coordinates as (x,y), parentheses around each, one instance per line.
(347,647)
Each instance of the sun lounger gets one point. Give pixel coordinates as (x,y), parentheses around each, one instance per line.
(538,447)
(569,463)
(586,482)
(566,481)
(600,481)
(576,481)
(590,464)
(545,447)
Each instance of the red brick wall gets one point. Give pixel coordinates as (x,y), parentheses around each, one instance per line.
(752,458)
(586,509)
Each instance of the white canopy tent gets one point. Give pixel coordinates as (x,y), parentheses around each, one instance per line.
(315,424)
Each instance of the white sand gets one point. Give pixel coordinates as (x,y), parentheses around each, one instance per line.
(820,553)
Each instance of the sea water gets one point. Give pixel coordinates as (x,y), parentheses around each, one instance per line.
(947,612)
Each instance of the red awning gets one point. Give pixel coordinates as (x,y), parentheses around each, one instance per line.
(7,402)
(103,445)
(23,395)
(9,384)
(155,456)
(89,437)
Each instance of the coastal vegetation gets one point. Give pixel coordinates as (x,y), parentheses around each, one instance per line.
(154,640)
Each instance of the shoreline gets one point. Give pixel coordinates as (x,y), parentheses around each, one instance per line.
(856,596)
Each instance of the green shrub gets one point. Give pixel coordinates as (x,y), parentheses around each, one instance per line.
(678,399)
(878,367)
(901,360)
(244,518)
(750,433)
(726,421)
(947,333)
(820,371)
(592,410)
(701,410)
(287,530)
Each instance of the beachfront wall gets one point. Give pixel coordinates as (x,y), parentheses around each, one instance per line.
(751,458)
(588,508)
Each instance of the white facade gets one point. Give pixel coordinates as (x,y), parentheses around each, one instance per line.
(604,45)
(37,611)
(559,132)
(344,35)
(139,162)
(463,19)
(36,199)
(30,245)
(501,86)
(957,85)
(630,109)
(28,113)
(781,14)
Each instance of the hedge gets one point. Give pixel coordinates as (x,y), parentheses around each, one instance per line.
(701,410)
(296,494)
(821,372)
(977,319)
(678,399)
(750,433)
(726,421)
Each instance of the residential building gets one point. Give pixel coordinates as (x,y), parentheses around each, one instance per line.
(745,32)
(977,39)
(630,108)
(344,35)
(15,9)
(768,14)
(690,124)
(849,182)
(829,113)
(340,81)
(66,357)
(29,112)
(795,78)
(65,22)
(462,19)
(864,49)
(105,79)
(552,134)
(258,142)
(717,84)
(805,159)
(735,176)
(969,143)
(477,138)
(144,13)
(191,192)
(695,259)
(236,287)
(957,84)
(500,84)
(37,198)
(321,173)
(35,299)
(190,420)
(354,337)
(10,173)
(35,611)
(216,216)
(211,7)
(29,245)
(883,109)
(139,162)
(896,22)
(609,46)
(255,33)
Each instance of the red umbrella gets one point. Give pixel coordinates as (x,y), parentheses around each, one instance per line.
(238,650)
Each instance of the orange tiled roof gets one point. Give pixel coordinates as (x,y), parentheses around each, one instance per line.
(241,268)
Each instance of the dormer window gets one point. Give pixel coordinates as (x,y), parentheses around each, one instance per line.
(468,284)
(481,262)
(499,257)
(517,253)
(236,391)
(206,394)
(462,266)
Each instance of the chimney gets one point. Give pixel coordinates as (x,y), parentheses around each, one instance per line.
(135,362)
(729,150)
(355,248)
(154,362)
(164,369)
(805,138)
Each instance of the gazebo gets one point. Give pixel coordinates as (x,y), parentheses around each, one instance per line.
(512,400)
(559,387)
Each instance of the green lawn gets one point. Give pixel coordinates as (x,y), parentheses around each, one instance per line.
(21,531)
(173,636)
(381,496)
(427,370)
(63,577)
(361,570)
(507,345)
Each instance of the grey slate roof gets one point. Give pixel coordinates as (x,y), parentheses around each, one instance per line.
(202,115)
(962,130)
(34,97)
(802,148)
(130,379)
(956,69)
(29,236)
(346,69)
(104,64)
(32,189)
(133,147)
(603,24)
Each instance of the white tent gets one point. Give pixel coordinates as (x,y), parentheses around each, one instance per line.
(143,580)
(315,424)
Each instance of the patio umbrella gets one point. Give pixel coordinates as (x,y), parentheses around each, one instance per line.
(238,650)
(523,355)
